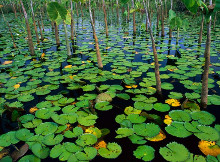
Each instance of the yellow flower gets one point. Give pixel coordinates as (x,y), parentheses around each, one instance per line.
(83,62)
(127,86)
(167,120)
(134,86)
(7,62)
(209,148)
(71,77)
(68,66)
(43,54)
(33,109)
(16,86)
(88,61)
(173,102)
(101,144)
(107,47)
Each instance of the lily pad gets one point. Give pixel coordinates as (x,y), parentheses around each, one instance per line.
(145,153)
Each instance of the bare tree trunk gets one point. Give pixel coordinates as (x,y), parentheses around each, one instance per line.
(56,34)
(128,13)
(201,29)
(162,19)
(72,21)
(170,30)
(156,68)
(66,38)
(9,28)
(117,11)
(158,14)
(106,23)
(99,59)
(41,33)
(214,21)
(134,25)
(81,9)
(30,41)
(35,26)
(77,13)
(42,22)
(205,76)
(14,8)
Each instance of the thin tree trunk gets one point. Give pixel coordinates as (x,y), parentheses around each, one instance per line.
(134,25)
(201,28)
(9,28)
(81,10)
(117,11)
(170,30)
(30,41)
(35,26)
(205,76)
(214,21)
(77,13)
(14,10)
(158,14)
(66,38)
(106,23)
(56,34)
(93,16)
(72,21)
(42,22)
(128,12)
(41,33)
(99,59)
(162,19)
(156,68)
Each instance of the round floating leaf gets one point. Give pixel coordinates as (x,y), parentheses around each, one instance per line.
(44,104)
(86,140)
(29,158)
(112,151)
(135,118)
(214,99)
(130,110)
(87,120)
(64,118)
(174,152)
(54,97)
(143,106)
(65,101)
(145,153)
(192,96)
(146,130)
(26,118)
(50,139)
(46,128)
(25,98)
(203,117)
(175,95)
(56,151)
(103,106)
(120,118)
(161,107)
(124,132)
(192,127)
(90,153)
(179,115)
(95,131)
(177,129)
(88,88)
(8,138)
(124,96)
(23,134)
(74,133)
(40,151)
(72,147)
(135,139)
(32,124)
(6,159)
(207,133)
(104,87)
(167,86)
(103,97)
(44,113)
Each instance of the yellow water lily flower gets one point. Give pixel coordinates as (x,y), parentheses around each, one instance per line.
(83,62)
(33,110)
(88,61)
(134,86)
(173,102)
(7,62)
(68,66)
(101,144)
(42,55)
(209,148)
(167,120)
(16,86)
(107,47)
(127,86)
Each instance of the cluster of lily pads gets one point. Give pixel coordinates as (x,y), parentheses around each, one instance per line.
(70,92)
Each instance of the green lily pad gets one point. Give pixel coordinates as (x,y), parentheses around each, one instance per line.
(87,120)
(203,117)
(46,128)
(86,140)
(147,130)
(124,132)
(207,133)
(161,107)
(103,106)
(40,151)
(145,153)
(51,140)
(23,134)
(112,151)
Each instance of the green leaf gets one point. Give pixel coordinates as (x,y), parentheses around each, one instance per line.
(90,153)
(161,107)
(143,106)
(51,140)
(23,134)
(8,138)
(207,133)
(175,95)
(135,118)
(174,152)
(124,96)
(40,151)
(146,130)
(145,153)
(72,147)
(124,132)
(103,106)
(112,151)
(86,140)
(46,128)
(191,5)
(54,9)
(172,14)
(74,133)
(29,158)
(135,139)
(203,117)
(87,120)
(167,86)
(56,151)
(179,115)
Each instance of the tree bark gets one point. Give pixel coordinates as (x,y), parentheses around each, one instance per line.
(34,22)
(42,22)
(105,15)
(72,21)
(214,21)
(41,33)
(117,11)
(30,41)
(156,68)
(162,19)
(56,34)
(128,13)
(134,25)
(201,29)
(205,76)
(170,30)
(99,59)
(66,38)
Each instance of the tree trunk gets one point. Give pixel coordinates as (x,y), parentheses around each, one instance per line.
(66,38)
(162,19)
(117,11)
(214,21)
(205,76)
(134,25)
(99,59)
(35,26)
(9,28)
(201,30)
(42,22)
(106,23)
(170,30)
(30,41)
(156,68)
(15,10)
(41,33)
(77,13)
(158,14)
(128,13)
(72,21)
(56,34)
